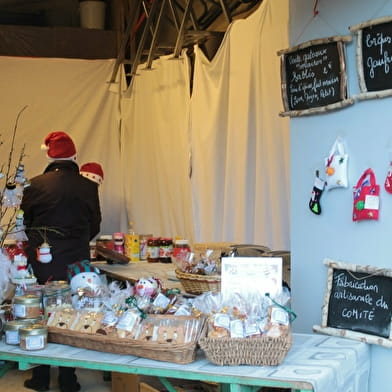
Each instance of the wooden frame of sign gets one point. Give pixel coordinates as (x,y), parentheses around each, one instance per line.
(374,56)
(314,76)
(358,303)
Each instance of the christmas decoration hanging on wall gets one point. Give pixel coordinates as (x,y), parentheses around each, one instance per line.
(318,188)
(366,203)
(336,166)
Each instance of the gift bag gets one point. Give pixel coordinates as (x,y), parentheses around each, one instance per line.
(388,179)
(366,197)
(336,167)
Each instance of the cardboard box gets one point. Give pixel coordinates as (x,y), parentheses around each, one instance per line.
(123,382)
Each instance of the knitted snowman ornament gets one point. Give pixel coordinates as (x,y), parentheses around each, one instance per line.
(86,286)
(82,275)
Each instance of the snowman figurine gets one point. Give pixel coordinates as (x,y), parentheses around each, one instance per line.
(43,253)
(86,285)
(20,267)
(147,287)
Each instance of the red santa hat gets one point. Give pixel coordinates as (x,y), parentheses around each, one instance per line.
(59,146)
(93,171)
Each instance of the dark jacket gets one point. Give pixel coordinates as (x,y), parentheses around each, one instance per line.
(62,208)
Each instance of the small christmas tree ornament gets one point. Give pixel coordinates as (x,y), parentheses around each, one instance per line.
(10,197)
(43,253)
(20,174)
(18,233)
(318,188)
(20,180)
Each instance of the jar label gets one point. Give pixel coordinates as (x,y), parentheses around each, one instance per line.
(12,337)
(35,342)
(165,251)
(132,247)
(143,248)
(19,310)
(153,252)
(180,253)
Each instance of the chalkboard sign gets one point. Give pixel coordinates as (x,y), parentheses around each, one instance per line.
(358,303)
(313,76)
(374,57)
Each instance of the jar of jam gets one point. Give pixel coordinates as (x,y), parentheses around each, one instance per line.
(153,244)
(181,250)
(27,306)
(165,250)
(33,337)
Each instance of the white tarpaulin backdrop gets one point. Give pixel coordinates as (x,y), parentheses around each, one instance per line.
(68,95)
(213,167)
(239,145)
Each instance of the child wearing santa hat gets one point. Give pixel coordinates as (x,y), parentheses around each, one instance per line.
(93,171)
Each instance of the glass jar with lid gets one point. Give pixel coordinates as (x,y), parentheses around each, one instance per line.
(27,306)
(11,330)
(181,250)
(33,337)
(153,250)
(165,250)
(57,296)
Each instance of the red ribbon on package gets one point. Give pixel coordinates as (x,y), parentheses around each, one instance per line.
(366,197)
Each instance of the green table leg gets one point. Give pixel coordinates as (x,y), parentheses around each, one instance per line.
(167,384)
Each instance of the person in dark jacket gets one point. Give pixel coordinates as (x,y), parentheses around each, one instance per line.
(62,211)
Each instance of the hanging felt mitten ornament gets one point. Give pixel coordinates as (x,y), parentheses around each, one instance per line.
(318,187)
(43,253)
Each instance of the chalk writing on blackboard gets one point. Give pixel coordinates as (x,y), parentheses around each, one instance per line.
(358,303)
(313,76)
(361,302)
(374,57)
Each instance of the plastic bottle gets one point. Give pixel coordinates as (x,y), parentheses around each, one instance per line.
(118,239)
(132,244)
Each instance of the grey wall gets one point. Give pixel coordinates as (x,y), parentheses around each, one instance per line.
(366,129)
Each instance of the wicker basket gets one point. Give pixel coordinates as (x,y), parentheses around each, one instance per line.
(168,352)
(258,351)
(198,284)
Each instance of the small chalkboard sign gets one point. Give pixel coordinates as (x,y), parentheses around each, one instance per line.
(374,57)
(358,303)
(314,77)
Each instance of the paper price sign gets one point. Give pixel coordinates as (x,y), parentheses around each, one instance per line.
(244,275)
